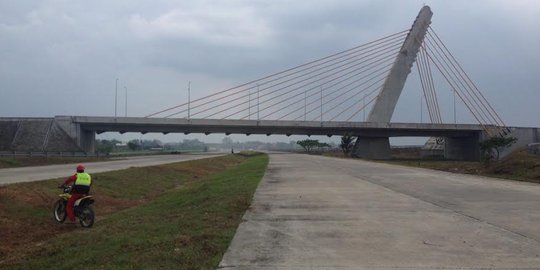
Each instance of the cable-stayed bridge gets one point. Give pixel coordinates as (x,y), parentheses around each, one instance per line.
(354,92)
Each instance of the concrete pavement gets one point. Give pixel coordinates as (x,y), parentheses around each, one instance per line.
(27,174)
(312,212)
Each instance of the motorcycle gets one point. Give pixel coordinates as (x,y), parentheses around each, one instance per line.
(83,208)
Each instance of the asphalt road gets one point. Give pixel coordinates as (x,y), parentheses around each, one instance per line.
(27,174)
(312,212)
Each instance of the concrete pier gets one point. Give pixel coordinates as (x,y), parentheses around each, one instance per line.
(372,148)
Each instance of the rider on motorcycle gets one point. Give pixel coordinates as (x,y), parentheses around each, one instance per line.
(81,186)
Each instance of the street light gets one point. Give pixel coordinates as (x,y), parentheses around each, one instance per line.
(454,92)
(421,108)
(189,100)
(116,98)
(125,87)
(364,108)
(257,102)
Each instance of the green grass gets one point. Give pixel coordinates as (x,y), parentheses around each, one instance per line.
(189,215)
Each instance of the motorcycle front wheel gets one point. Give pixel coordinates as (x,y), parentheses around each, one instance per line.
(59,211)
(86,217)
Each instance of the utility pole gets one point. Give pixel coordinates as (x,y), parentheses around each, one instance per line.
(116,98)
(257,102)
(421,108)
(364,108)
(321,105)
(189,100)
(454,92)
(305,104)
(126,99)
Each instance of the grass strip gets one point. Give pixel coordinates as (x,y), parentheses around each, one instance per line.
(186,218)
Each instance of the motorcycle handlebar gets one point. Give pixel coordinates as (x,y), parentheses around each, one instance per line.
(66,188)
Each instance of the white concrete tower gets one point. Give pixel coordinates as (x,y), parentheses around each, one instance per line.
(386,101)
(379,147)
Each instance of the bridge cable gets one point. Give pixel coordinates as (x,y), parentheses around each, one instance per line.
(363,107)
(423,83)
(358,92)
(443,71)
(329,87)
(283,72)
(320,79)
(479,108)
(339,89)
(370,64)
(428,87)
(376,90)
(385,46)
(282,88)
(475,103)
(474,89)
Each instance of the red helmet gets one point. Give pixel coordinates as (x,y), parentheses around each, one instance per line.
(80,168)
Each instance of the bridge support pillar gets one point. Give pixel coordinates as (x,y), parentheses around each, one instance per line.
(462,148)
(87,141)
(372,148)
(84,140)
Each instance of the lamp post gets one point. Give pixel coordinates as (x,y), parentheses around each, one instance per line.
(454,92)
(116,98)
(305,104)
(421,108)
(321,105)
(189,100)
(125,87)
(258,102)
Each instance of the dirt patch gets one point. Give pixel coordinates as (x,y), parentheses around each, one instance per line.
(20,231)
(22,234)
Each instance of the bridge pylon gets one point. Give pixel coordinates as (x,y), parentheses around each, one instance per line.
(385,104)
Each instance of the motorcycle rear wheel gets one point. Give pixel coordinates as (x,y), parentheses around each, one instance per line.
(86,217)
(59,211)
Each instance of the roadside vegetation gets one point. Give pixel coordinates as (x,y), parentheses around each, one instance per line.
(519,165)
(180,216)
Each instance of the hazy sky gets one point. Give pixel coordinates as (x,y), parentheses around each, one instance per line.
(63,57)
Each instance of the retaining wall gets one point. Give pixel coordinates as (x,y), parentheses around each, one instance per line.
(524,136)
(35,135)
(7,134)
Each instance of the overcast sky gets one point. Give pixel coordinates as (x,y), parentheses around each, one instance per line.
(63,57)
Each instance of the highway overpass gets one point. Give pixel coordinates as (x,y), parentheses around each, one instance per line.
(63,133)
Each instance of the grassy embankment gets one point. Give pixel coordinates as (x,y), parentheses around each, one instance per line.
(519,165)
(180,216)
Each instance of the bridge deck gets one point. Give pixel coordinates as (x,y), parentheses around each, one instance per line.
(271,127)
